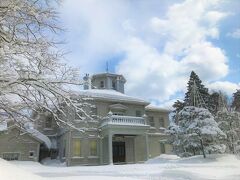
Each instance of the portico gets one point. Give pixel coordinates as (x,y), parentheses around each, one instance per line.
(125,140)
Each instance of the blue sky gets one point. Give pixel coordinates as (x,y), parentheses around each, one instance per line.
(155,44)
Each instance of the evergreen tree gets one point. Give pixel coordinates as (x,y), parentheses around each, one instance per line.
(236,100)
(188,101)
(229,123)
(201,131)
(213,103)
(217,102)
(196,132)
(178,106)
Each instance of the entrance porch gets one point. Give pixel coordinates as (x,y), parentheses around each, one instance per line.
(124,142)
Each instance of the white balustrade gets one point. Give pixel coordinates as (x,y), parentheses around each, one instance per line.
(123,120)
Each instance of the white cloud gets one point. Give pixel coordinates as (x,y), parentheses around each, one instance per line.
(128,26)
(160,48)
(94,30)
(159,74)
(225,86)
(235,34)
(149,73)
(214,16)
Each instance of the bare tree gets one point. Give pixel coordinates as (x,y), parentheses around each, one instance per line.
(32,76)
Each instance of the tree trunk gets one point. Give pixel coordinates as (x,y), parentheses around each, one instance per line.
(202,148)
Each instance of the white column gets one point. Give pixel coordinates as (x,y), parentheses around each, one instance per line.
(147,146)
(110,148)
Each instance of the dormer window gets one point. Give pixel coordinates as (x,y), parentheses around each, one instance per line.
(101,84)
(138,113)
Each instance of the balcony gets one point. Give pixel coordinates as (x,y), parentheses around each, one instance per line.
(123,120)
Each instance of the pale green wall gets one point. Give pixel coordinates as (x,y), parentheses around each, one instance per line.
(12,141)
(103,108)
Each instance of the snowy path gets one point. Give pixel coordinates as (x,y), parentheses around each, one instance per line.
(222,167)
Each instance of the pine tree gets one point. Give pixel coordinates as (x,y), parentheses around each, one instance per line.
(213,102)
(236,100)
(203,92)
(217,102)
(196,132)
(178,106)
(201,131)
(229,123)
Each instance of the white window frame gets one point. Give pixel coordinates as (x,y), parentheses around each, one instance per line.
(32,155)
(90,155)
(151,121)
(163,121)
(73,150)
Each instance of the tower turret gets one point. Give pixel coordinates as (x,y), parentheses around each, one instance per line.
(108,81)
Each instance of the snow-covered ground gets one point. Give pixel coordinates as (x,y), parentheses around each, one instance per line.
(164,167)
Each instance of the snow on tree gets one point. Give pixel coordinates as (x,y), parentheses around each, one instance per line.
(201,131)
(175,137)
(203,92)
(214,102)
(178,106)
(236,100)
(194,128)
(217,102)
(32,75)
(229,123)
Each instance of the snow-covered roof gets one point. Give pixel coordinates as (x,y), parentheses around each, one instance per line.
(35,134)
(110,95)
(156,108)
(38,135)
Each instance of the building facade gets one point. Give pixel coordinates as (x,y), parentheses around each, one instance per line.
(17,143)
(127,130)
(122,128)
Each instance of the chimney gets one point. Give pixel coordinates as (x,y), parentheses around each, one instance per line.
(87,82)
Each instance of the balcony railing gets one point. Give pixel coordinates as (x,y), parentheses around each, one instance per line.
(124,120)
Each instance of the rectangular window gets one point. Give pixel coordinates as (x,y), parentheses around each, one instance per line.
(48,122)
(76,147)
(161,122)
(11,156)
(31,154)
(138,113)
(151,121)
(101,84)
(162,148)
(93,148)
